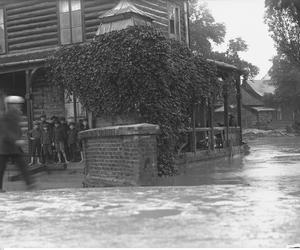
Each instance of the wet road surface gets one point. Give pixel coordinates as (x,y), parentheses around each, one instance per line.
(247,202)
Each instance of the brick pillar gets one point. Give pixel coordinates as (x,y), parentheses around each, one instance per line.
(120,155)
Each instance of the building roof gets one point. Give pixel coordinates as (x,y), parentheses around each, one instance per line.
(124,7)
(262,87)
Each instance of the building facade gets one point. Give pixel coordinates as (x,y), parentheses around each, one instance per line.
(255,113)
(32,30)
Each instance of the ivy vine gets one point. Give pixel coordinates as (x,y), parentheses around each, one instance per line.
(137,70)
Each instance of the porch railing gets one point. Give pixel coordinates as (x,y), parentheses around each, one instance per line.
(209,139)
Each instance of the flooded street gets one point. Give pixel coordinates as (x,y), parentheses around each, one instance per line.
(245,202)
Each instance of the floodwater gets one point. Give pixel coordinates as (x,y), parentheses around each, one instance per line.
(245,202)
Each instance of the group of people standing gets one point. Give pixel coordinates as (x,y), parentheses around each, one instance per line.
(56,140)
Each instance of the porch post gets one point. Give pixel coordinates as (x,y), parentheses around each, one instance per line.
(29,97)
(29,76)
(194,139)
(203,118)
(75,107)
(226,118)
(211,124)
(239,105)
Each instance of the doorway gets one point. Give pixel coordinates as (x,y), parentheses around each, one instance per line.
(14,84)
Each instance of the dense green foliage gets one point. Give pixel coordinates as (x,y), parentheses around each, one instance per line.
(283,19)
(139,71)
(205,32)
(231,56)
(286,77)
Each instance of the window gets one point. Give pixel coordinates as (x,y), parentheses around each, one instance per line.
(174,21)
(2,33)
(70,21)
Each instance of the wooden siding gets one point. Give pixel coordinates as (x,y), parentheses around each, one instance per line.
(92,10)
(34,24)
(157,9)
(31,24)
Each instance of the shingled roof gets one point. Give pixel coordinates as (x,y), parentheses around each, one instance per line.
(124,7)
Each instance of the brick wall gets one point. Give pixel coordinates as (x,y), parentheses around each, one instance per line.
(120,155)
(47,98)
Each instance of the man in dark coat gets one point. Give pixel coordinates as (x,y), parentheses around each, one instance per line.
(10,134)
(72,141)
(46,142)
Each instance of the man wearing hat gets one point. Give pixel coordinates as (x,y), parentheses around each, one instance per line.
(34,136)
(10,139)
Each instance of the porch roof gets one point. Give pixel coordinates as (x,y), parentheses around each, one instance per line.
(24,60)
(263,109)
(226,66)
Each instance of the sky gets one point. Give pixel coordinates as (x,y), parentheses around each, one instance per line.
(245,19)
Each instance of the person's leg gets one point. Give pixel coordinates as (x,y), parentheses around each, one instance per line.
(63,151)
(31,161)
(57,148)
(64,155)
(59,157)
(49,153)
(81,150)
(3,162)
(72,152)
(67,151)
(81,155)
(38,152)
(21,165)
(34,150)
(44,152)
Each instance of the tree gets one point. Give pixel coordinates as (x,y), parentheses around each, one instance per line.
(286,77)
(283,19)
(231,56)
(204,29)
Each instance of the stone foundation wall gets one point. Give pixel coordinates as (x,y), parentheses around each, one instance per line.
(120,156)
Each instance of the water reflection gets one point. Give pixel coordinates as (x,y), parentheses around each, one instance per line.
(251,201)
(221,171)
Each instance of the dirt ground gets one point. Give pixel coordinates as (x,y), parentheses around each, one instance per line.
(57,178)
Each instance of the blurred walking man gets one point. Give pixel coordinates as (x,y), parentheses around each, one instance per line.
(10,135)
